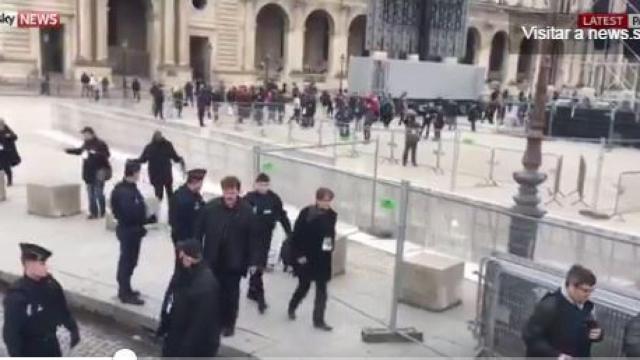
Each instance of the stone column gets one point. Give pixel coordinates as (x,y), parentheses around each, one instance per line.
(154,38)
(295,45)
(85,30)
(102,32)
(183,33)
(339,43)
(249,35)
(168,28)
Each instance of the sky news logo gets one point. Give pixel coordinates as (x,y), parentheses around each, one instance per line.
(30,19)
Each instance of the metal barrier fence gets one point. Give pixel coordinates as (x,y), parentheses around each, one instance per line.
(508,291)
(627,200)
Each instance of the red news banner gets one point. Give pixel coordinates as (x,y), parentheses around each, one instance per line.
(590,26)
(30,19)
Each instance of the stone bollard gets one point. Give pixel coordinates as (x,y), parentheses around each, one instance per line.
(431,281)
(339,256)
(53,200)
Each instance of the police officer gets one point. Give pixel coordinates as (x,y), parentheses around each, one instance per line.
(34,308)
(269,209)
(190,317)
(185,205)
(129,209)
(226,227)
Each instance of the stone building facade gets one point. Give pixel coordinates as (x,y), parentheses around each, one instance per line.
(243,41)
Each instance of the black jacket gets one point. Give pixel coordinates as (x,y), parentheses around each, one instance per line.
(312,227)
(229,236)
(268,209)
(128,207)
(183,211)
(8,152)
(32,312)
(159,154)
(97,158)
(190,317)
(559,327)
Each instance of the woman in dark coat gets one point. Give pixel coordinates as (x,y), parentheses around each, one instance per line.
(159,153)
(8,152)
(313,242)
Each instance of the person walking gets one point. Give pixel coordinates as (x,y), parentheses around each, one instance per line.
(412,137)
(178,101)
(158,101)
(34,307)
(203,101)
(188,91)
(185,205)
(96,170)
(9,156)
(190,315)
(563,325)
(226,228)
(135,88)
(313,241)
(129,209)
(268,208)
(84,81)
(159,153)
(474,115)
(105,87)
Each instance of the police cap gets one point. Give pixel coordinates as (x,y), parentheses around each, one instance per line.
(196,175)
(34,252)
(191,248)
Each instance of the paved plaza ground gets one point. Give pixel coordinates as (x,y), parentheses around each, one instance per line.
(85,256)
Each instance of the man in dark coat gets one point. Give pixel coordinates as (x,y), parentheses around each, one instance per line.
(268,208)
(412,137)
(188,91)
(185,205)
(157,93)
(96,170)
(226,227)
(8,152)
(130,211)
(34,308)
(159,153)
(563,325)
(313,243)
(190,317)
(203,101)
(135,88)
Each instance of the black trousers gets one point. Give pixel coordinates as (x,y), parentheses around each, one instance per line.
(41,347)
(410,146)
(201,116)
(157,111)
(229,298)
(256,287)
(320,303)
(8,173)
(129,254)
(160,189)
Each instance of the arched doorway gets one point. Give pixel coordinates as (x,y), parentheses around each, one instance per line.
(357,36)
(271,28)
(497,59)
(473,44)
(525,60)
(317,42)
(127,36)
(557,55)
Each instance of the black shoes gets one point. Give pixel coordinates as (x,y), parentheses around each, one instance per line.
(262,307)
(228,332)
(322,326)
(131,299)
(292,314)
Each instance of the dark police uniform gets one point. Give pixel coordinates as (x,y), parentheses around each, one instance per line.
(268,209)
(184,208)
(33,310)
(129,208)
(230,241)
(190,317)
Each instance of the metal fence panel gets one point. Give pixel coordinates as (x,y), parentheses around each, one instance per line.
(508,292)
